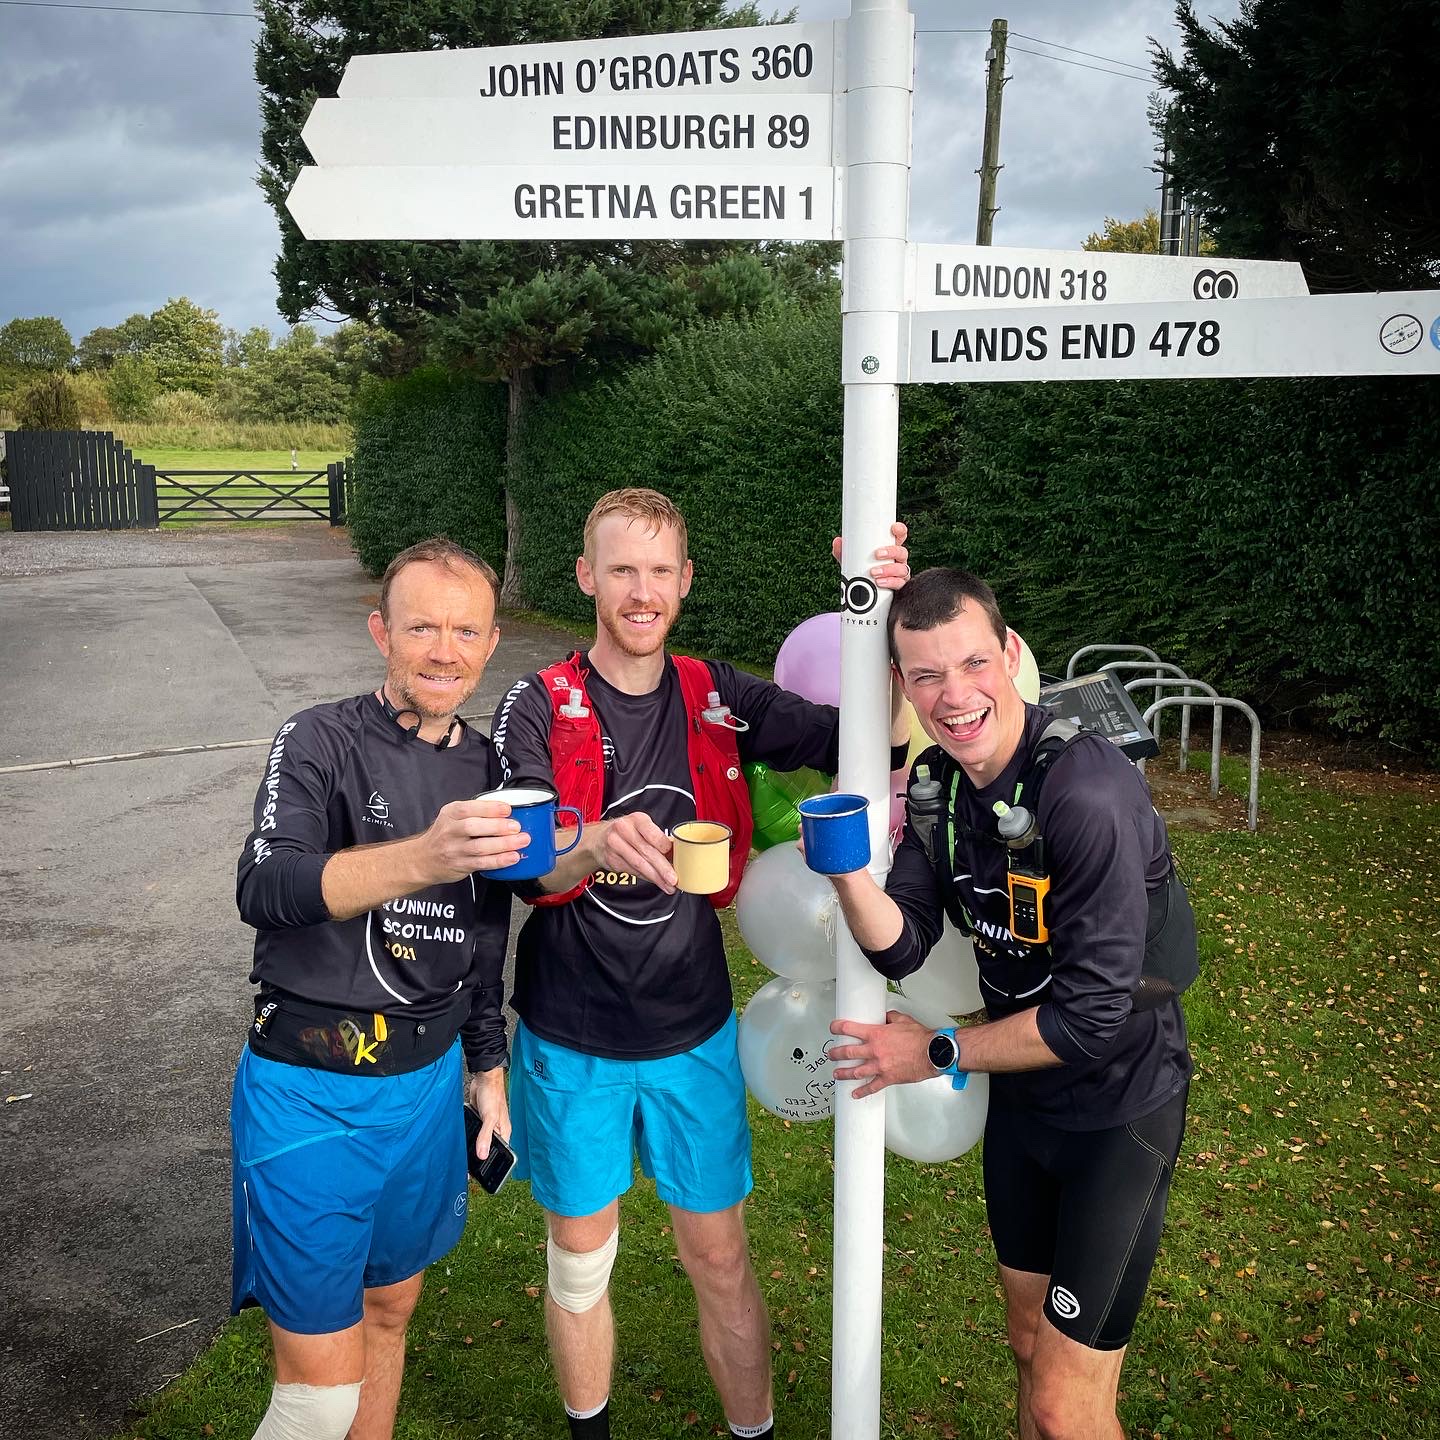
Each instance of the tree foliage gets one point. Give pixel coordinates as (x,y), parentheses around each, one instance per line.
(1306,130)
(131,386)
(1127,237)
(49,404)
(186,346)
(40,342)
(501,307)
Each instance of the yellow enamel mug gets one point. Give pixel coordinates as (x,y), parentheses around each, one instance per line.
(701,856)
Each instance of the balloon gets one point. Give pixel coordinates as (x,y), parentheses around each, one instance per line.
(919,740)
(948,983)
(1027,682)
(784,1043)
(809,660)
(773,796)
(898,781)
(930,1120)
(787,915)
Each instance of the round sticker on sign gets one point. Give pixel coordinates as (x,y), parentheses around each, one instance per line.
(1400,334)
(1435,333)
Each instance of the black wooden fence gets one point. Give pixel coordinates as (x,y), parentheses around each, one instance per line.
(88,480)
(77,480)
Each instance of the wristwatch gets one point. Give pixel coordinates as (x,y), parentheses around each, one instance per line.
(944,1052)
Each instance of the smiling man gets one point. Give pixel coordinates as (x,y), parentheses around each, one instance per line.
(1085,1041)
(627,1035)
(377,943)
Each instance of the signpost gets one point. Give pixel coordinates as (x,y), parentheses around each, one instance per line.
(1385,334)
(987,277)
(745,135)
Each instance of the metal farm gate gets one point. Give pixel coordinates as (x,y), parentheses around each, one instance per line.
(77,480)
(88,480)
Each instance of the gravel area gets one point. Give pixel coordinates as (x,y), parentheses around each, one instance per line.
(52,552)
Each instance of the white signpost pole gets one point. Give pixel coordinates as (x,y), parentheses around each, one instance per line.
(880,70)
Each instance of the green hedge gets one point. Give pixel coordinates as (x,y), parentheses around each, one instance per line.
(739,423)
(429,453)
(1277,538)
(1280,539)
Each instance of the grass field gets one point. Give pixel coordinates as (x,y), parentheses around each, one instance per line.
(1298,1285)
(171,458)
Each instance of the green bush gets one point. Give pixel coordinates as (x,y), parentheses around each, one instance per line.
(1278,538)
(132,386)
(49,404)
(429,454)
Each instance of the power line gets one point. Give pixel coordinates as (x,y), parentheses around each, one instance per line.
(1055,45)
(127,9)
(1060,60)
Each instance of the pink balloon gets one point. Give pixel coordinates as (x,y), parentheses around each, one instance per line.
(809,660)
(897,801)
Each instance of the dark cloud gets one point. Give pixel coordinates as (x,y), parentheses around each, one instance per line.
(129,146)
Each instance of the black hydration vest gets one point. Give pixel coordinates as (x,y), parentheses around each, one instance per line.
(1172,959)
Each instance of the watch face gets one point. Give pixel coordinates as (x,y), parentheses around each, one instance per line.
(942,1051)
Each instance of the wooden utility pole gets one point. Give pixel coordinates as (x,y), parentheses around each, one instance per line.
(990,157)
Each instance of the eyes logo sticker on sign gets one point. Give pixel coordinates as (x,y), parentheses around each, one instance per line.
(1216,285)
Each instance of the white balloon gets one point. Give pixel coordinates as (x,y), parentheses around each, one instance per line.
(1027,682)
(931,1121)
(788,914)
(948,983)
(784,1045)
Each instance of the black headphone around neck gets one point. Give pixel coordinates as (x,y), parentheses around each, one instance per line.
(412,732)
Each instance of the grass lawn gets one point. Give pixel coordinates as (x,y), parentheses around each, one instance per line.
(1298,1285)
(170,459)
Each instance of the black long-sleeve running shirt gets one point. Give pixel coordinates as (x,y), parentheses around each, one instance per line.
(1106,849)
(341,775)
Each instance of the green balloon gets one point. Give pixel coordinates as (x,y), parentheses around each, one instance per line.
(774,795)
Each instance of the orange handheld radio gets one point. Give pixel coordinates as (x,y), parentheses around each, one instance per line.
(1026,878)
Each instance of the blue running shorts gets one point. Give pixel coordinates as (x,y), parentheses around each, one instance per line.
(580,1120)
(341,1183)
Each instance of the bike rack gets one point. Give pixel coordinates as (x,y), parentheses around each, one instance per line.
(1216,703)
(1141,681)
(1094,649)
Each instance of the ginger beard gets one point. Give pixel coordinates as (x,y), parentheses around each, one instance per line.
(638,580)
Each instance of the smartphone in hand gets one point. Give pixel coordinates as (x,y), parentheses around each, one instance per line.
(492,1172)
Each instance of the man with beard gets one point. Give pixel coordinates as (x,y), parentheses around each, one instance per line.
(627,1035)
(1085,1042)
(378,943)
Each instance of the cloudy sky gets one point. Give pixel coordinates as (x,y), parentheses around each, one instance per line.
(129,143)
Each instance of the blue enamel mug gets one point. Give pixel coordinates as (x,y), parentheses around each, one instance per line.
(836,829)
(536,810)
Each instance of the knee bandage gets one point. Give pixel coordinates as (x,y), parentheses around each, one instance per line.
(578,1282)
(310,1412)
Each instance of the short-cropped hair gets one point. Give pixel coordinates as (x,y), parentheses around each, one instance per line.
(438,551)
(636,503)
(935,597)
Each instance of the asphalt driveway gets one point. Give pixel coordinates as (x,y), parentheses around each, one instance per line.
(123,971)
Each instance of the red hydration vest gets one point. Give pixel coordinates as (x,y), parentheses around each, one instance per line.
(577,760)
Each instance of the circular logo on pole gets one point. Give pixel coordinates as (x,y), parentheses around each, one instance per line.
(1400,334)
(858,595)
(870,364)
